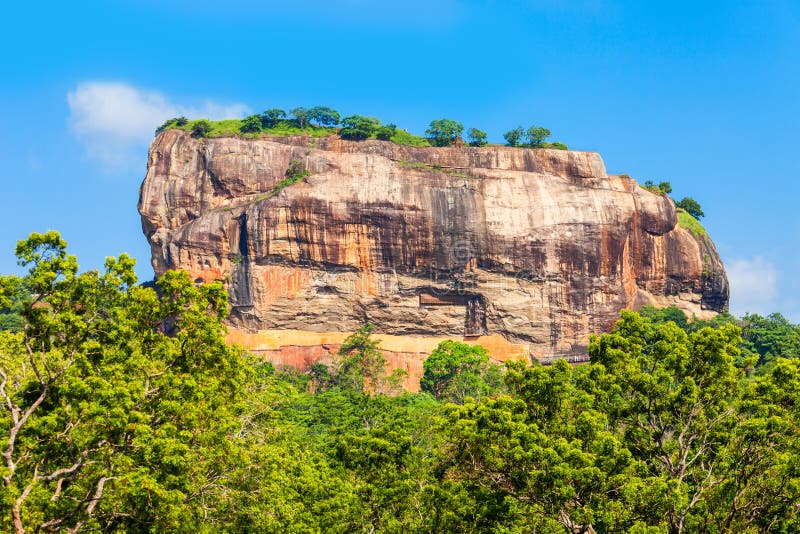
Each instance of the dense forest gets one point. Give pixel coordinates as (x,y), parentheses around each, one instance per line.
(123,409)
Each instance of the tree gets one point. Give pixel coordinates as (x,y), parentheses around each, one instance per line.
(665,187)
(443,132)
(251,124)
(476,137)
(512,137)
(360,365)
(536,136)
(201,128)
(271,117)
(669,394)
(358,127)
(456,370)
(324,116)
(691,206)
(118,405)
(301,117)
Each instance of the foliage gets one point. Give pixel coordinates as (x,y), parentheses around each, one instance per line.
(514,136)
(324,116)
(536,136)
(123,409)
(455,371)
(477,137)
(295,172)
(175,122)
(301,117)
(270,117)
(118,406)
(358,127)
(443,132)
(665,315)
(360,366)
(14,296)
(692,207)
(251,124)
(201,128)
(386,132)
(663,188)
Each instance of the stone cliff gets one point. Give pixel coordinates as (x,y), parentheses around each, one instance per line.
(540,247)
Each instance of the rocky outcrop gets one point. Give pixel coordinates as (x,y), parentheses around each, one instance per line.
(541,247)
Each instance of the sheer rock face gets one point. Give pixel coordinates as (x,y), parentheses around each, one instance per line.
(541,247)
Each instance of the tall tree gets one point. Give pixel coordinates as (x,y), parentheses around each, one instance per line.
(118,406)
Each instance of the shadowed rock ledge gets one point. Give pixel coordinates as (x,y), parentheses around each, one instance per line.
(540,247)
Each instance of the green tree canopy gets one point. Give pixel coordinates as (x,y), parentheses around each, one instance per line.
(324,116)
(358,127)
(536,136)
(477,137)
(251,124)
(456,370)
(201,128)
(301,117)
(443,132)
(385,133)
(117,404)
(691,206)
(514,136)
(271,117)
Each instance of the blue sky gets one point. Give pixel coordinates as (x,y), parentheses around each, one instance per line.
(704,95)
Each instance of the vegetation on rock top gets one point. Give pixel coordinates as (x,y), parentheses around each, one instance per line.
(322,121)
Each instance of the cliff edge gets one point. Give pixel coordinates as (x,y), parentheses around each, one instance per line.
(541,247)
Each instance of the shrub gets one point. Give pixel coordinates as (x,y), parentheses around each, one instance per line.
(557,145)
(663,188)
(385,133)
(166,126)
(181,121)
(443,132)
(476,137)
(201,128)
(251,124)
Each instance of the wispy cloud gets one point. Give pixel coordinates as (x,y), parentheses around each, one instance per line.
(754,285)
(115,120)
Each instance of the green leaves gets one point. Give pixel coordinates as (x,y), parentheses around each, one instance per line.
(443,132)
(117,403)
(456,370)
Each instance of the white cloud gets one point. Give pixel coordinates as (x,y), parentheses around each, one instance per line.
(115,120)
(754,286)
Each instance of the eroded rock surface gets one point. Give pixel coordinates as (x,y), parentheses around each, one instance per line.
(541,247)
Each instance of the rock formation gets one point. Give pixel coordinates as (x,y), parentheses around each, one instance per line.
(541,247)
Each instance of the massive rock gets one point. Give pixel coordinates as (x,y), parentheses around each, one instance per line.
(541,247)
